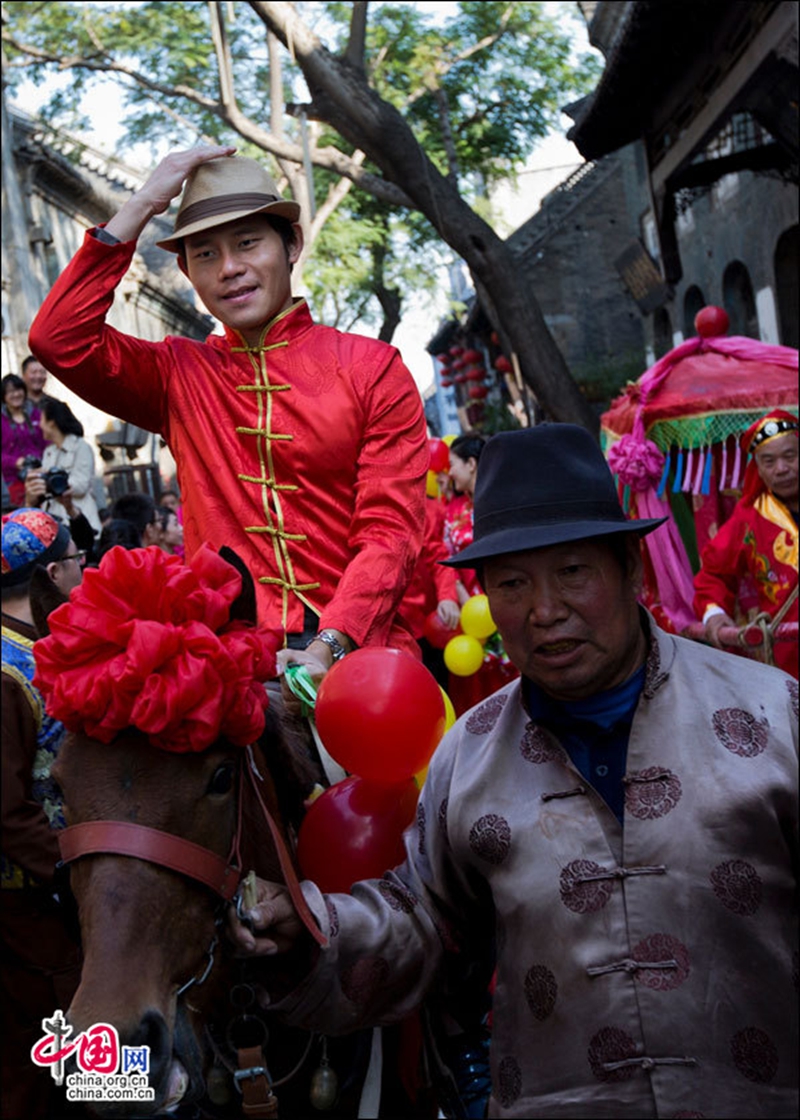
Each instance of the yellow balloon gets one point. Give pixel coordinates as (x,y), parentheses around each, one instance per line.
(476,618)
(449,711)
(431,485)
(448,439)
(463,655)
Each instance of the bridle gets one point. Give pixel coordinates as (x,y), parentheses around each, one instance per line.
(165,849)
(220,875)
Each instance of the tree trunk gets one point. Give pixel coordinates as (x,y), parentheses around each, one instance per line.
(342,98)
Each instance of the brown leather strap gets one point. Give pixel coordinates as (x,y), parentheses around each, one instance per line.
(254,1081)
(287,867)
(124,838)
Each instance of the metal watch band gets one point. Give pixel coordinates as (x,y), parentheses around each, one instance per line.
(332,642)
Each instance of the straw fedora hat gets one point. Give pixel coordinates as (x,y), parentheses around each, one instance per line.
(541,486)
(222,190)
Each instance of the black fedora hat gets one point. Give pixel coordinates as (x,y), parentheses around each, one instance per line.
(541,486)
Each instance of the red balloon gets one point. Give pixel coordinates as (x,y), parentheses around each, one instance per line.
(380,714)
(354,830)
(440,455)
(436,633)
(711,321)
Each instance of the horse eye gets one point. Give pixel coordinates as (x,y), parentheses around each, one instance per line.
(221,780)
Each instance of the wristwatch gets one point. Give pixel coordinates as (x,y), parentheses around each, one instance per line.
(332,642)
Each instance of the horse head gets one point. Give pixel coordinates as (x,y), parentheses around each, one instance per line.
(148,931)
(160,776)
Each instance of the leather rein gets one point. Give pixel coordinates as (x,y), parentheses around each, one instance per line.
(165,849)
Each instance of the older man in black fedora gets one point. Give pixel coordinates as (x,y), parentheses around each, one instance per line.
(615,833)
(302,448)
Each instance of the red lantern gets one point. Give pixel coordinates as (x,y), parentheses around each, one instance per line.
(436,633)
(445,382)
(440,455)
(460,378)
(380,714)
(502,364)
(710,322)
(354,830)
(443,358)
(456,350)
(477,373)
(473,356)
(494,338)
(478,392)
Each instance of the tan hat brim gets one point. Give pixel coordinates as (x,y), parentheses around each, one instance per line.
(284,208)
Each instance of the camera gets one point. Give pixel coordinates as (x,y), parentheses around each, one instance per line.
(56,479)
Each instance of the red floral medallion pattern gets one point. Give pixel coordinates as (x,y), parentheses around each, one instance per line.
(443,819)
(582,897)
(421,823)
(398,896)
(660,947)
(333,918)
(541,991)
(737,885)
(536,747)
(490,838)
(509,1082)
(754,1055)
(363,979)
(740,732)
(652,793)
(486,716)
(611,1045)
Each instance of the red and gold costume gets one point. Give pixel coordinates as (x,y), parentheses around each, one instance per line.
(307,454)
(759,541)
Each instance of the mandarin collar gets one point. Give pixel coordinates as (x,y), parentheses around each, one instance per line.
(287,323)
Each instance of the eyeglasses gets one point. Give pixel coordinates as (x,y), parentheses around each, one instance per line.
(79,557)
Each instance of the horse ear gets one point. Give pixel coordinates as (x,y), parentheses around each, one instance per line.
(243,608)
(44,598)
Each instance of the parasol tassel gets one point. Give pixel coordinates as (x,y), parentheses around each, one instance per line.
(687,478)
(676,485)
(698,474)
(705,485)
(662,485)
(724,469)
(737,464)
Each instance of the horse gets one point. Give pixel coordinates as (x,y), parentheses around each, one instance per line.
(156,845)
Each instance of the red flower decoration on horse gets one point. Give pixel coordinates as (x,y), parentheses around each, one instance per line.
(146,641)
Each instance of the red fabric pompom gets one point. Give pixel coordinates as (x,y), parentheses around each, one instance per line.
(145,641)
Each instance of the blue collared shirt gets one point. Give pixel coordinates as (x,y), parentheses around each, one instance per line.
(594,732)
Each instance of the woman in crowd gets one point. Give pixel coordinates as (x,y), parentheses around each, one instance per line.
(496,670)
(22,436)
(465,451)
(70,451)
(171,531)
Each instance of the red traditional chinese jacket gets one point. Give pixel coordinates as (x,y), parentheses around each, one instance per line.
(307,455)
(760,541)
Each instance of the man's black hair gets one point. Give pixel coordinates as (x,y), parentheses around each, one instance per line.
(138,508)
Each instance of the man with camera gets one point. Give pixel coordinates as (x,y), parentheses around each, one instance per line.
(43,485)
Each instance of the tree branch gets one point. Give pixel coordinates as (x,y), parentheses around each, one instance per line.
(354,54)
(329,158)
(222,50)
